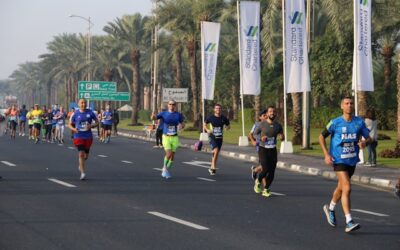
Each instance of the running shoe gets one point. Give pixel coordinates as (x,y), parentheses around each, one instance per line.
(212,171)
(257,187)
(351,226)
(266,193)
(253,173)
(36,140)
(397,191)
(83,176)
(330,216)
(155,146)
(165,173)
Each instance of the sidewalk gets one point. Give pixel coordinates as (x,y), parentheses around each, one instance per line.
(373,176)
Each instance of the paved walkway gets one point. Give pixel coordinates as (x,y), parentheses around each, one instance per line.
(374,176)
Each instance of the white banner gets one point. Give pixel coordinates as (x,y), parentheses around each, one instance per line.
(362,59)
(209,55)
(296,48)
(176,94)
(249,49)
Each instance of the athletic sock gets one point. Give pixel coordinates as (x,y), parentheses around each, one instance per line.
(169,164)
(165,162)
(332,206)
(348,218)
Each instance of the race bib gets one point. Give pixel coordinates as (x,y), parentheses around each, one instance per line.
(348,150)
(270,142)
(13,118)
(83,126)
(217,131)
(171,130)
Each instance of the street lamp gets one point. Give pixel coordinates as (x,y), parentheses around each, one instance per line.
(88,44)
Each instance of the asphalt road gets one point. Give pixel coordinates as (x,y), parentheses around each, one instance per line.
(126,204)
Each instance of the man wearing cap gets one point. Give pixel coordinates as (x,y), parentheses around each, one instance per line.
(37,115)
(217,121)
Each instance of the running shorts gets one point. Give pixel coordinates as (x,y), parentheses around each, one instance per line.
(170,142)
(83,144)
(343,167)
(215,142)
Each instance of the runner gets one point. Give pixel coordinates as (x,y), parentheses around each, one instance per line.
(13,118)
(172,120)
(101,118)
(107,123)
(115,122)
(255,140)
(81,124)
(22,120)
(268,130)
(159,133)
(215,134)
(48,124)
(345,132)
(397,188)
(30,123)
(60,126)
(69,116)
(37,115)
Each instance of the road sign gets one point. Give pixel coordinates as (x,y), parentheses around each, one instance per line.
(105,96)
(177,94)
(95,86)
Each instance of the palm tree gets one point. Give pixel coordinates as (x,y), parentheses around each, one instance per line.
(130,31)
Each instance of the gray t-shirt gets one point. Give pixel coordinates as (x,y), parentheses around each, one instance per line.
(271,130)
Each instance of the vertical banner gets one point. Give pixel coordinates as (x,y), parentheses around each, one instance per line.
(249,48)
(209,54)
(362,59)
(296,49)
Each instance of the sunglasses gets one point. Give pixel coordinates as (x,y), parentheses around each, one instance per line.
(173,104)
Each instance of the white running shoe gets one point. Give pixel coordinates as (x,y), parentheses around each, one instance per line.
(83,176)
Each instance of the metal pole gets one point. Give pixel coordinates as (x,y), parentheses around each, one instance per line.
(284,71)
(240,66)
(306,94)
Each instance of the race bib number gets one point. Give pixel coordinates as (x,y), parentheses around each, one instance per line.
(171,130)
(348,150)
(83,126)
(13,118)
(217,131)
(270,142)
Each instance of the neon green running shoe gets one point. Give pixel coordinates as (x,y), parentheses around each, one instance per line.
(266,193)
(257,187)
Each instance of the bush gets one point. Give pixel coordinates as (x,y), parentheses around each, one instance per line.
(321,116)
(388,153)
(382,137)
(144,115)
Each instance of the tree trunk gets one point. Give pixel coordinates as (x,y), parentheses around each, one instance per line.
(108,75)
(398,104)
(48,97)
(257,105)
(235,102)
(387,53)
(178,68)
(191,46)
(297,123)
(135,56)
(362,103)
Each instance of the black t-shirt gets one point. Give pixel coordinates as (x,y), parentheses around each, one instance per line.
(217,124)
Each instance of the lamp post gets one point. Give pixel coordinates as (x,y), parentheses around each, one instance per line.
(88,44)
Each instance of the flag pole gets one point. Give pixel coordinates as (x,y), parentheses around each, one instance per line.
(243,141)
(203,135)
(355,68)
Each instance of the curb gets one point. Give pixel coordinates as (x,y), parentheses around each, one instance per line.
(366,180)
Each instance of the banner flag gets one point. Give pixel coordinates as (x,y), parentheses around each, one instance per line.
(249,49)
(296,48)
(362,58)
(209,54)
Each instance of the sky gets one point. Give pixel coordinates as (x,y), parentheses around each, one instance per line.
(26,26)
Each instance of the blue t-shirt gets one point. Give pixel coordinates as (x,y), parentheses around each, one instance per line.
(61,120)
(107,116)
(22,114)
(81,121)
(171,121)
(345,136)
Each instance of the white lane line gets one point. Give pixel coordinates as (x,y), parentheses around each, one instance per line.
(159,169)
(71,147)
(8,163)
(102,156)
(183,222)
(369,212)
(127,162)
(205,179)
(62,183)
(202,164)
(278,194)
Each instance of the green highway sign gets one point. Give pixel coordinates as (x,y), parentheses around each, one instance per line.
(96,86)
(105,96)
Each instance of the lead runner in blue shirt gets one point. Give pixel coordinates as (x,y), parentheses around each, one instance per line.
(172,121)
(346,133)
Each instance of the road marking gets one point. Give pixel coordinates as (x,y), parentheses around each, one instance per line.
(102,156)
(8,163)
(71,147)
(205,179)
(202,164)
(127,162)
(183,222)
(369,212)
(62,183)
(278,194)
(159,169)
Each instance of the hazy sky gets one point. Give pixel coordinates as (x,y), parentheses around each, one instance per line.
(26,26)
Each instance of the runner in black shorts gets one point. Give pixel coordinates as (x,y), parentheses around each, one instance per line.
(215,134)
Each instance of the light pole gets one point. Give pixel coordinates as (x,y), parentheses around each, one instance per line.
(88,45)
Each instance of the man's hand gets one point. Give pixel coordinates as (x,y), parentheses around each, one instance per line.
(328,160)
